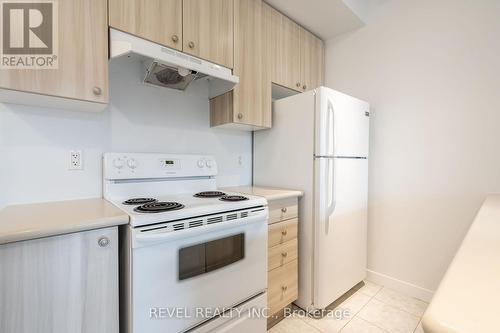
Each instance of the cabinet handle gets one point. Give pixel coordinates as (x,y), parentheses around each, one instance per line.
(304,87)
(283,210)
(284,232)
(103,241)
(298,84)
(97,91)
(191,45)
(175,38)
(240,115)
(284,254)
(284,288)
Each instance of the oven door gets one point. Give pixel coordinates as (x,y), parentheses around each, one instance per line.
(183,278)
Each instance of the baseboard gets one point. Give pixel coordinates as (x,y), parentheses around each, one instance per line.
(400,286)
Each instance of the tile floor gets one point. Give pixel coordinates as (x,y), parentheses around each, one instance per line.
(371,309)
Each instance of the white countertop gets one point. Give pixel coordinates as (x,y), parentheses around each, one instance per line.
(29,221)
(270,193)
(467,298)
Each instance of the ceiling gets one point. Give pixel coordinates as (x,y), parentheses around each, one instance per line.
(327,18)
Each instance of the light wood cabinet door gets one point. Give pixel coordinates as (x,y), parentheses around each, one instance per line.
(82,55)
(312,60)
(248,65)
(60,284)
(282,48)
(283,209)
(282,286)
(208,30)
(282,232)
(159,21)
(248,105)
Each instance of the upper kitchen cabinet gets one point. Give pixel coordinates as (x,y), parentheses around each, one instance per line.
(159,21)
(282,48)
(312,58)
(296,56)
(248,105)
(64,62)
(208,30)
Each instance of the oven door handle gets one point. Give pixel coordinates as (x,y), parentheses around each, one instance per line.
(142,239)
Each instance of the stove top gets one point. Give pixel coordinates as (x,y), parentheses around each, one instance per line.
(155,187)
(183,206)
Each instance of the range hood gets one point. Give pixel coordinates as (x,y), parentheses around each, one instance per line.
(170,68)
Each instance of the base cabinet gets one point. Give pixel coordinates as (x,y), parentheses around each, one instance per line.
(283,274)
(60,284)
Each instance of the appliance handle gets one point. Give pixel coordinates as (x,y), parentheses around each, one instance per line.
(330,129)
(331,191)
(153,237)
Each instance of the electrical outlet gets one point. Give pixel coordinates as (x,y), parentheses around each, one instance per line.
(75,160)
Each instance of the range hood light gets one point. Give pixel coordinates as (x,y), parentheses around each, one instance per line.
(183,71)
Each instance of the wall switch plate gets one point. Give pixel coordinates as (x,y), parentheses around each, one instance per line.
(75,160)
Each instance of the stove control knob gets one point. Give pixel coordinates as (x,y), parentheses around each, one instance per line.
(118,163)
(201,164)
(132,163)
(208,163)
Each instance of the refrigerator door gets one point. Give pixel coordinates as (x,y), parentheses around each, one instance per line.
(342,124)
(340,226)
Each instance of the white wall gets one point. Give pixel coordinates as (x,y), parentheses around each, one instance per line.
(431,71)
(35,143)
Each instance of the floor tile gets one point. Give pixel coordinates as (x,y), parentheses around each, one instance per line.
(358,325)
(370,288)
(419,328)
(341,315)
(293,325)
(406,303)
(388,317)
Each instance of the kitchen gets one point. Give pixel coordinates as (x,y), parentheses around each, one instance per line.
(433,116)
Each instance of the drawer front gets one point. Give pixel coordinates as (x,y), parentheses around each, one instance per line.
(284,209)
(282,286)
(282,232)
(282,254)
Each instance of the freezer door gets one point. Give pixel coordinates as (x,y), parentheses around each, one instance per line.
(340,227)
(342,124)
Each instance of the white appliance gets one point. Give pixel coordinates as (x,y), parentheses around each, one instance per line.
(190,252)
(319,144)
(170,68)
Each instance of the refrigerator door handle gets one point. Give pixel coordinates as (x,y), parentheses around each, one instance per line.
(331,202)
(330,120)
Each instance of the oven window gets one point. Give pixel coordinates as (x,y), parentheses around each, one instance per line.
(206,257)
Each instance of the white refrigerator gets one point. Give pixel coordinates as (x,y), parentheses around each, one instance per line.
(319,144)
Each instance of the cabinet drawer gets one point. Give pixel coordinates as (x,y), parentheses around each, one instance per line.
(282,286)
(282,254)
(284,209)
(282,232)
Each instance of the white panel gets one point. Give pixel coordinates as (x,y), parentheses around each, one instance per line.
(283,157)
(142,165)
(340,227)
(343,124)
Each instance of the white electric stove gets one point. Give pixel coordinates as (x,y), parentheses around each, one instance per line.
(188,247)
